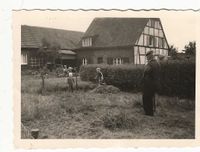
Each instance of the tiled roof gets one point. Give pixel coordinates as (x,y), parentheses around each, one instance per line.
(32,37)
(109,32)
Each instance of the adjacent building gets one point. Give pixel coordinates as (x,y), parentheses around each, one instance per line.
(121,41)
(35,40)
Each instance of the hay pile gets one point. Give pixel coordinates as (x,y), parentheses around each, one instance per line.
(105,89)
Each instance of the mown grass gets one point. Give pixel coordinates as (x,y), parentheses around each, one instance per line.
(84,114)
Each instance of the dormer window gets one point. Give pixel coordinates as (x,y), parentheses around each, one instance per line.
(87,42)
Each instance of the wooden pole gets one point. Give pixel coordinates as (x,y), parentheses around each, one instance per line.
(76,79)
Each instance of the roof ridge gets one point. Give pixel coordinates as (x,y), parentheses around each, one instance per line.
(126,18)
(63,38)
(51,28)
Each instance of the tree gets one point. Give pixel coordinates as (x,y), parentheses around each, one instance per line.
(49,51)
(190,49)
(173,51)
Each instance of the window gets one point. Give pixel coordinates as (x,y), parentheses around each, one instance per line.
(84,61)
(33,62)
(36,62)
(24,59)
(117,61)
(99,60)
(87,42)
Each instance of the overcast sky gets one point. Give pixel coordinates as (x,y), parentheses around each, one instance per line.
(179,27)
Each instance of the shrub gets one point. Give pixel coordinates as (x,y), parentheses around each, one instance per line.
(177,78)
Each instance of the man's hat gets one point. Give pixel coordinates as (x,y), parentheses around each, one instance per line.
(149,52)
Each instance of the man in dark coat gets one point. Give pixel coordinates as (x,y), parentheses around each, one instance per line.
(150,83)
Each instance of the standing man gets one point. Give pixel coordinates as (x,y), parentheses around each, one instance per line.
(150,83)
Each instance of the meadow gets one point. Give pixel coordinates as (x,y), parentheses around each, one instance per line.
(85,114)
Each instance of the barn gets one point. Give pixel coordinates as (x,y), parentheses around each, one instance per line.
(121,41)
(37,43)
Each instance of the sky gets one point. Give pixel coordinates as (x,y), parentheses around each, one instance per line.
(180,27)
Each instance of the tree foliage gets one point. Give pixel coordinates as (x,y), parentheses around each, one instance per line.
(173,51)
(49,50)
(190,49)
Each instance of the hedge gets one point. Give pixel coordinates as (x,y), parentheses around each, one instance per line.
(124,77)
(177,78)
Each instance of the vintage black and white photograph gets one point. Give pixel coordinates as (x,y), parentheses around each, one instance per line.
(107,74)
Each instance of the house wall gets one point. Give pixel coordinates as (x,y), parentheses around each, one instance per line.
(30,53)
(34,60)
(92,55)
(152,38)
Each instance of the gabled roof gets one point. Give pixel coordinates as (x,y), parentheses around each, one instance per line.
(109,32)
(32,37)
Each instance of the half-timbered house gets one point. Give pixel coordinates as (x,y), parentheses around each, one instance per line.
(122,41)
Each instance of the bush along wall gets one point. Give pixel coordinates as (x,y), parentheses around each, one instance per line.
(177,78)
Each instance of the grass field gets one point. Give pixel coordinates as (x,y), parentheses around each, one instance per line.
(83,114)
